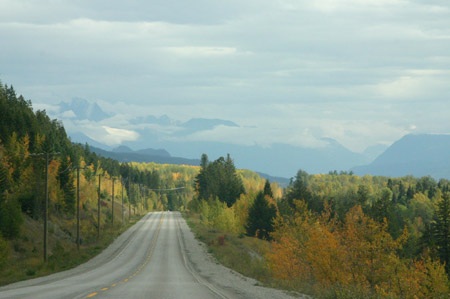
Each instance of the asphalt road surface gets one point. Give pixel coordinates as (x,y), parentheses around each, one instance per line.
(156,258)
(147,262)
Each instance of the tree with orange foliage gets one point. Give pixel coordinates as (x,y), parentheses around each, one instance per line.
(355,258)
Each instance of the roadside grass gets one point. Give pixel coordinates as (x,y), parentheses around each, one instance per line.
(26,252)
(241,253)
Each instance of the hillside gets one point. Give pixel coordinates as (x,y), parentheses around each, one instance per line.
(418,155)
(144,156)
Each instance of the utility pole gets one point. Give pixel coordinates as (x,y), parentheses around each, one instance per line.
(78,208)
(113,202)
(47,158)
(129,199)
(98,209)
(122,200)
(46,208)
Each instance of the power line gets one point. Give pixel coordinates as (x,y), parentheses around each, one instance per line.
(171,189)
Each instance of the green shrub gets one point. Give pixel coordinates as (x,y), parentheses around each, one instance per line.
(10,219)
(4,251)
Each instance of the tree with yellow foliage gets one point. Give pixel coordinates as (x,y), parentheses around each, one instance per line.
(356,257)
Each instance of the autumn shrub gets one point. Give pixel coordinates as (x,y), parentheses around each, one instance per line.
(226,220)
(216,214)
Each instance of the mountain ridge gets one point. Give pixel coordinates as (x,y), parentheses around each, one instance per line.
(413,154)
(136,156)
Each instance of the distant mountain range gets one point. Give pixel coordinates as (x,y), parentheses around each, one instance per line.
(82,109)
(418,155)
(282,160)
(125,154)
(174,137)
(161,137)
(145,152)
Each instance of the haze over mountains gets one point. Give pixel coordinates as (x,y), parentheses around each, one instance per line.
(418,155)
(165,140)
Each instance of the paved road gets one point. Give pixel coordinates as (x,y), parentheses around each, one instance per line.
(148,261)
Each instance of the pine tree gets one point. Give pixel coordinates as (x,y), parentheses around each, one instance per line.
(260,218)
(442,229)
(66,182)
(410,193)
(232,183)
(382,206)
(299,190)
(363,195)
(219,179)
(200,183)
(4,182)
(401,192)
(268,189)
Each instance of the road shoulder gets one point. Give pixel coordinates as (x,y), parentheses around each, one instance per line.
(233,284)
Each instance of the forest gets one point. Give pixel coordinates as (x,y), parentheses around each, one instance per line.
(337,234)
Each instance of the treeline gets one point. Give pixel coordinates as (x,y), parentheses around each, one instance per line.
(224,197)
(176,183)
(340,235)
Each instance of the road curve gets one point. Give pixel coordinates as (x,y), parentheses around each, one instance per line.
(145,262)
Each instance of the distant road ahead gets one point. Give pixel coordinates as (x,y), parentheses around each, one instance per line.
(147,261)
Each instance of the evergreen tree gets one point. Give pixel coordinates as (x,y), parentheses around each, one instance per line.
(66,182)
(260,218)
(390,184)
(219,179)
(232,184)
(442,229)
(363,195)
(4,181)
(401,192)
(200,183)
(268,189)
(410,193)
(382,205)
(298,190)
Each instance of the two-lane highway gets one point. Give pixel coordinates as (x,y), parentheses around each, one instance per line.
(145,262)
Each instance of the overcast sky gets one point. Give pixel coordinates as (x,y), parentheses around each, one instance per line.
(359,71)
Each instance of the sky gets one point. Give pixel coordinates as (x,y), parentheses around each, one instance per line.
(362,72)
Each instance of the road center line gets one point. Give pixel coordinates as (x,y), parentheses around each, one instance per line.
(155,237)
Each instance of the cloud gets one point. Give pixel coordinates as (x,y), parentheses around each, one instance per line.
(254,136)
(202,51)
(359,71)
(104,134)
(117,136)
(68,114)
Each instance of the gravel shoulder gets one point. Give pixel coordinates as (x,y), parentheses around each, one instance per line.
(233,284)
